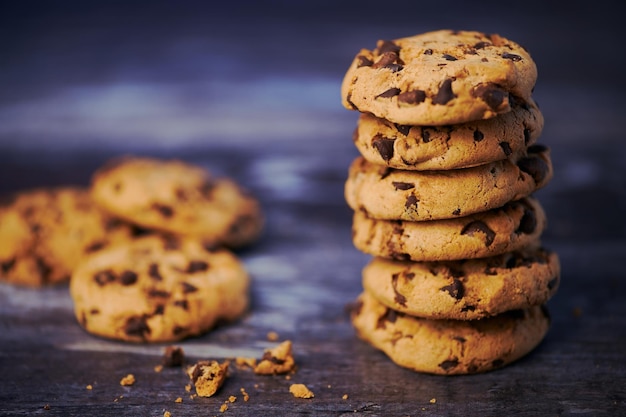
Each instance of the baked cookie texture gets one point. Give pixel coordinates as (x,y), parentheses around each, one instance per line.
(386,193)
(45,232)
(450,146)
(177,197)
(466,289)
(158,289)
(443,199)
(439,78)
(449,347)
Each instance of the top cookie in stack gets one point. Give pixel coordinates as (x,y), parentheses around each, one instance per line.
(448,164)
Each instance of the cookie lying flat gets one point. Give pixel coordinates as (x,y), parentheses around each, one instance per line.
(449,347)
(158,289)
(464,289)
(439,78)
(386,193)
(179,198)
(514,226)
(449,147)
(45,232)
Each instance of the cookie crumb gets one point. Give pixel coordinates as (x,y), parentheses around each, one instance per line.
(272,336)
(242,362)
(300,391)
(223,408)
(128,380)
(208,376)
(344,397)
(232,399)
(173,356)
(167,414)
(89,387)
(246,397)
(158,368)
(278,360)
(178,400)
(46,407)
(433,400)
(188,387)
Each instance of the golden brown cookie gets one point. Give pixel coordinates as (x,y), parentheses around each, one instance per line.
(439,78)
(514,226)
(464,289)
(45,232)
(158,289)
(449,347)
(393,194)
(176,197)
(449,147)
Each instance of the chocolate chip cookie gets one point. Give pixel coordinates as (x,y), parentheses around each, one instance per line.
(449,347)
(439,78)
(386,193)
(177,197)
(452,146)
(467,289)
(514,226)
(158,289)
(44,233)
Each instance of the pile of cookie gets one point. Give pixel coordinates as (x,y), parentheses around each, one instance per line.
(147,248)
(442,194)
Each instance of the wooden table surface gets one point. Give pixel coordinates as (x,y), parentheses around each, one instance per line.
(256,97)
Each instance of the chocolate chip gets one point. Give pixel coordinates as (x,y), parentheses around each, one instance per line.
(104,277)
(44,269)
(182,304)
(197,266)
(165,211)
(478,226)
(481,45)
(207,187)
(457,212)
(389,316)
(528,222)
(7,265)
(387,46)
(536,167)
(478,135)
(411,201)
(398,298)
(154,293)
(187,288)
(493,95)
(506,148)
(137,326)
(449,364)
(153,272)
(128,278)
(412,97)
(158,310)
(363,61)
(512,57)
(456,289)
(404,129)
(398,185)
(448,57)
(387,60)
(384,146)
(445,93)
(428,51)
(392,92)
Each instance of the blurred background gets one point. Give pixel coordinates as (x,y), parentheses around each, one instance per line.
(252,88)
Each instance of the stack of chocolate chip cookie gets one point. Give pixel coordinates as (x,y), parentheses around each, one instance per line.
(442,194)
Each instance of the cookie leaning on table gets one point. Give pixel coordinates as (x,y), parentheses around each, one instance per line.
(449,147)
(45,232)
(176,197)
(158,289)
(518,224)
(449,347)
(439,78)
(464,289)
(386,193)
